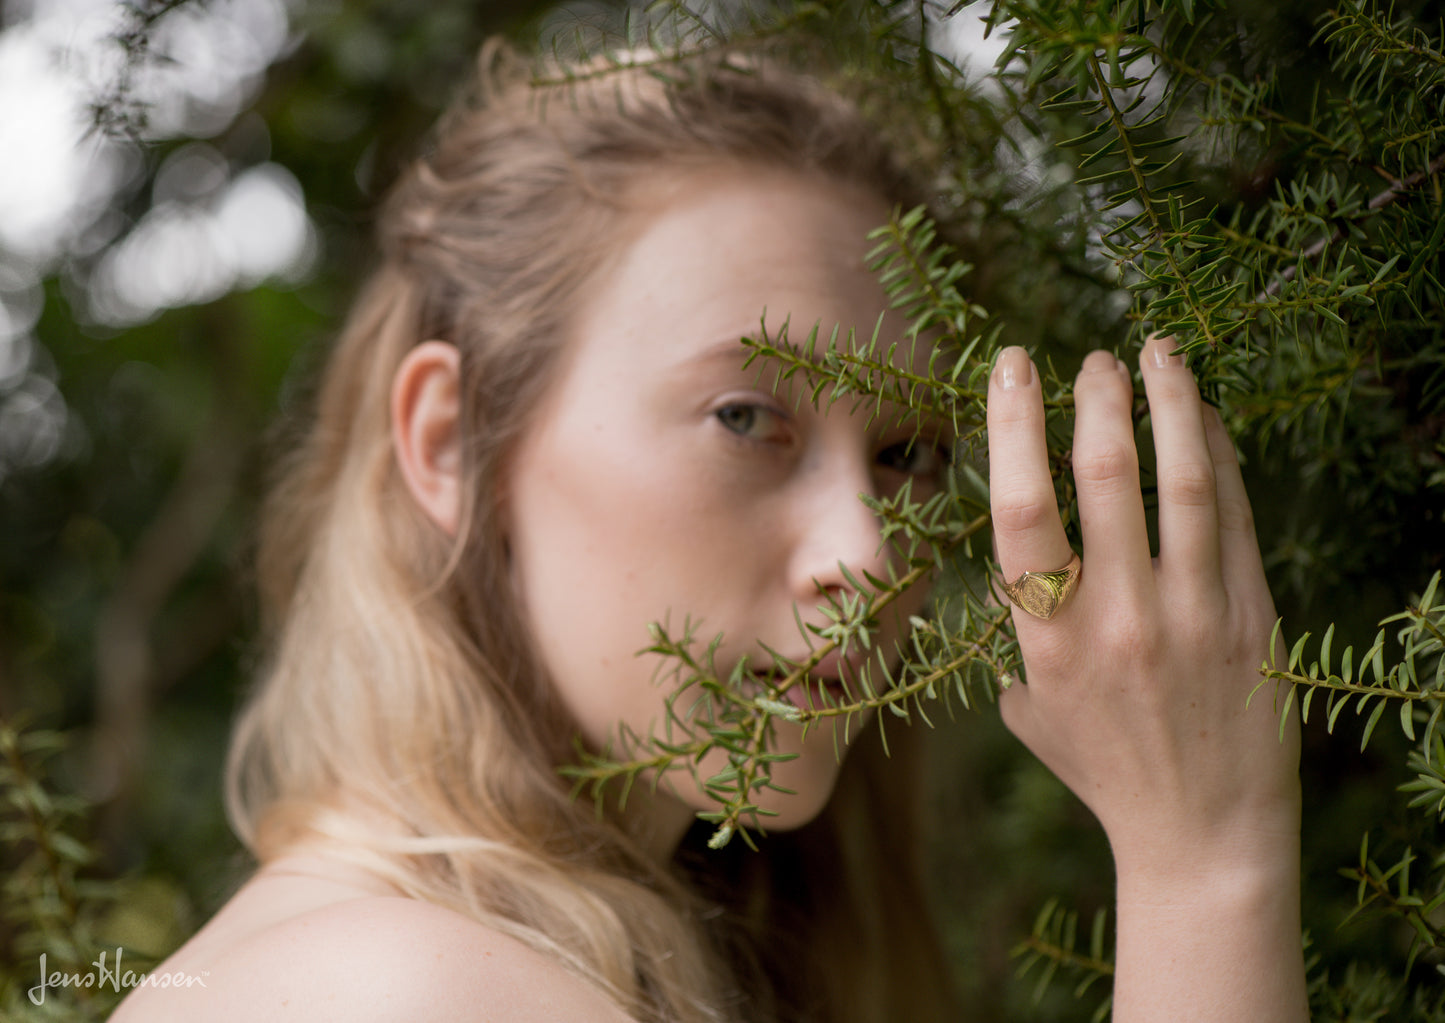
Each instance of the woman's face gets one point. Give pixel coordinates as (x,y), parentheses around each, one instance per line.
(660,481)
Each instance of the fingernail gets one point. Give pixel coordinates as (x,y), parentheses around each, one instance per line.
(1098,362)
(1014,369)
(1159,349)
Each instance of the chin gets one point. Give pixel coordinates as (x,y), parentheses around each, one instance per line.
(792,811)
(808,779)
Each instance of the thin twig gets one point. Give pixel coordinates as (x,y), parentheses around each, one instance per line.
(1376,203)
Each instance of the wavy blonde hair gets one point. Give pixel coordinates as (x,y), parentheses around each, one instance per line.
(403,719)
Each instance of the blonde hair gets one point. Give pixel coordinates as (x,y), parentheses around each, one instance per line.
(404,720)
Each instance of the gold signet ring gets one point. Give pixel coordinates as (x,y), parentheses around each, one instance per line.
(1042,594)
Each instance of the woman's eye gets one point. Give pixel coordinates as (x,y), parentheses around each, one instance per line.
(919,457)
(754,422)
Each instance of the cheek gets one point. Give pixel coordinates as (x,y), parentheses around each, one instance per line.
(605,541)
(577,581)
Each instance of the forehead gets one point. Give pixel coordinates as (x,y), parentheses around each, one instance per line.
(720,252)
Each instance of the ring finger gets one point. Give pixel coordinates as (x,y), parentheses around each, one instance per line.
(1188,487)
(1028,534)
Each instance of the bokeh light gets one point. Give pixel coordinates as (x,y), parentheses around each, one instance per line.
(181,253)
(68,190)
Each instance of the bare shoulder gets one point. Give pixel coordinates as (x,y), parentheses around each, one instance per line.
(371,958)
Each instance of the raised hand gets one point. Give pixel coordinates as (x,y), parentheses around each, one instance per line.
(1138,687)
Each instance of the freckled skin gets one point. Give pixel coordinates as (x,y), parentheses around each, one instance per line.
(658,480)
(647,491)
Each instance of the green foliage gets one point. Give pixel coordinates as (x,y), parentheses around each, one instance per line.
(736,714)
(1261,181)
(47,906)
(921,278)
(73,939)
(1415,683)
(1289,243)
(1054,945)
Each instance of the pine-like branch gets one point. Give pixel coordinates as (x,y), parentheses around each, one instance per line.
(1377,203)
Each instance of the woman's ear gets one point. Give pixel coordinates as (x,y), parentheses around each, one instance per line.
(426,429)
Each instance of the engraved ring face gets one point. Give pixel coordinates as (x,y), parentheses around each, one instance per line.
(1043,594)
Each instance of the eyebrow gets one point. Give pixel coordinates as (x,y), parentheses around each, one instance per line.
(728,352)
(727,348)
(732,347)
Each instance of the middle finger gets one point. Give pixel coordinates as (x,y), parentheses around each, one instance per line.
(1106,471)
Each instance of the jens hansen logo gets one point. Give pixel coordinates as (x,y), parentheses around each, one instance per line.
(114,977)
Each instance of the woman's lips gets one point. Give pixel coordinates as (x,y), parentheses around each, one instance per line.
(834,666)
(834,679)
(813,693)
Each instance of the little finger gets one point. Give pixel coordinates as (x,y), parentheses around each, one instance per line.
(1239,547)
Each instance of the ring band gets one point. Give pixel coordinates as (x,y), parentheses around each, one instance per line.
(1043,594)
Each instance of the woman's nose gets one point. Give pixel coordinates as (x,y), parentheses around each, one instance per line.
(838,536)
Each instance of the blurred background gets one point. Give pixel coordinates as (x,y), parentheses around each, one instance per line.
(184,210)
(185,205)
(185,197)
(186,193)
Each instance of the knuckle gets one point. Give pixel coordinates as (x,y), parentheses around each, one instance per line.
(1109,467)
(1010,409)
(1199,628)
(1009,413)
(1022,514)
(1108,388)
(1188,484)
(1236,516)
(1130,635)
